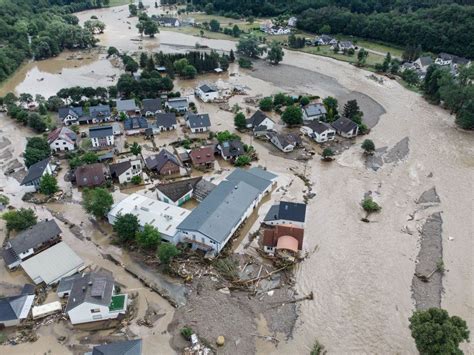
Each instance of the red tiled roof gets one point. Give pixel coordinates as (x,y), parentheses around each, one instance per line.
(202,155)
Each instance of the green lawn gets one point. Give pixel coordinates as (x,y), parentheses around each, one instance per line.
(118,2)
(117,303)
(326,51)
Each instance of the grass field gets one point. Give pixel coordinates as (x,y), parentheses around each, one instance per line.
(118,2)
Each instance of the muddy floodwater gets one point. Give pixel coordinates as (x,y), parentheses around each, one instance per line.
(360,273)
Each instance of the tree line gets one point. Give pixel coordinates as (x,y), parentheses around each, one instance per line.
(438,26)
(41,29)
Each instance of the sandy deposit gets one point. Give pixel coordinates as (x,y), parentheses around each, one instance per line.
(361,274)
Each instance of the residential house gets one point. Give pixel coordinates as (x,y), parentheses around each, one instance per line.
(35,172)
(231,150)
(320,131)
(163,216)
(14,309)
(129,107)
(92,297)
(313,112)
(151,107)
(90,175)
(203,158)
(283,237)
(344,46)
(98,114)
(198,123)
(214,221)
(177,104)
(30,242)
(286,213)
(260,123)
(266,26)
(125,347)
(135,125)
(125,170)
(166,121)
(62,140)
(70,115)
(292,21)
(207,92)
(345,127)
(325,40)
(102,137)
(168,21)
(285,142)
(178,192)
(451,59)
(52,264)
(163,163)
(422,63)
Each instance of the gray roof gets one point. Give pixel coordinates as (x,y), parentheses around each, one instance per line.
(119,168)
(288,211)
(177,189)
(11,307)
(169,20)
(34,236)
(157,161)
(344,124)
(257,118)
(101,132)
(94,287)
(165,119)
(99,111)
(207,88)
(35,171)
(198,121)
(223,208)
(425,61)
(73,111)
(151,105)
(233,148)
(345,44)
(126,105)
(65,284)
(126,347)
(135,123)
(262,173)
(319,127)
(178,102)
(252,177)
(315,110)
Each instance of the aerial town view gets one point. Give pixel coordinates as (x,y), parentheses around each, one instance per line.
(208,177)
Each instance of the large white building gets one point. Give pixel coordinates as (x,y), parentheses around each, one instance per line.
(161,215)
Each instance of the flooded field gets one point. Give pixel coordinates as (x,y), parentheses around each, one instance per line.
(361,273)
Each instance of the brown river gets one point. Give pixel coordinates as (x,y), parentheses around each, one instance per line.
(361,273)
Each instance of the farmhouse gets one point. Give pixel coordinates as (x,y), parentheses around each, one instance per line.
(231,150)
(98,114)
(129,107)
(286,213)
(345,127)
(62,140)
(168,21)
(164,163)
(207,92)
(35,172)
(125,347)
(283,237)
(320,131)
(259,121)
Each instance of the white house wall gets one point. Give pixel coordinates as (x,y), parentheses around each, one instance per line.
(83,314)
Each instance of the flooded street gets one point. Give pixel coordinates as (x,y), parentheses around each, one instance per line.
(361,273)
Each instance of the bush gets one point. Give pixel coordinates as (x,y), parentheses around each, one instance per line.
(304,101)
(243,160)
(166,252)
(317,349)
(19,220)
(245,63)
(328,154)
(368,146)
(369,205)
(149,237)
(186,332)
(136,180)
(266,104)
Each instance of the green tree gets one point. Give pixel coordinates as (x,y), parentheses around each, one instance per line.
(149,237)
(304,101)
(351,109)
(266,104)
(126,226)
(368,146)
(37,149)
(231,56)
(132,8)
(180,64)
(166,252)
(20,219)
(36,122)
(94,26)
(136,148)
(369,205)
(97,201)
(242,160)
(226,136)
(465,116)
(411,77)
(214,25)
(209,8)
(112,51)
(275,53)
(131,66)
(136,180)
(362,57)
(143,59)
(150,28)
(189,72)
(140,27)
(245,63)
(280,99)
(89,158)
(331,105)
(224,63)
(48,185)
(386,62)
(292,115)
(250,47)
(328,153)
(435,332)
(236,31)
(240,121)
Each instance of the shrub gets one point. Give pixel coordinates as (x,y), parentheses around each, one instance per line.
(136,180)
(186,332)
(369,205)
(266,104)
(368,146)
(245,63)
(20,219)
(243,160)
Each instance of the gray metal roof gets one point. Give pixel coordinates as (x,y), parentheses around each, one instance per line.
(126,105)
(262,173)
(178,103)
(35,236)
(10,307)
(99,111)
(288,211)
(208,88)
(151,105)
(65,284)
(165,119)
(257,118)
(233,148)
(221,210)
(315,110)
(127,347)
(73,111)
(251,177)
(94,287)
(198,121)
(344,124)
(319,127)
(135,123)
(35,171)
(101,132)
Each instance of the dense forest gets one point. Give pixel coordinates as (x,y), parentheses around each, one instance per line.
(436,25)
(40,29)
